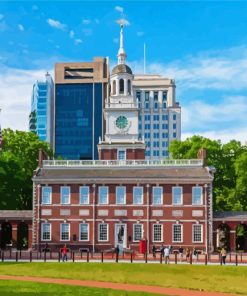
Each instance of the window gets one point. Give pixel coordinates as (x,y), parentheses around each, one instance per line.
(156,153)
(197,195)
(155,105)
(146,96)
(147,117)
(147,135)
(156,117)
(147,153)
(197,233)
(164,117)
(156,96)
(64,231)
(138,95)
(137,232)
(129,87)
(45,231)
(146,105)
(84,233)
(156,135)
(165,153)
(164,105)
(114,87)
(120,195)
(174,126)
(164,135)
(103,232)
(46,195)
(65,195)
(156,126)
(138,195)
(121,86)
(164,96)
(103,195)
(165,126)
(157,195)
(148,144)
(147,126)
(165,144)
(121,155)
(157,233)
(84,195)
(174,135)
(156,144)
(174,117)
(177,195)
(177,233)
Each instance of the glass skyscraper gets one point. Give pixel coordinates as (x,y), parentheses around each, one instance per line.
(42,108)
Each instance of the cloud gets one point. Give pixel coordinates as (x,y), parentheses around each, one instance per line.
(71,34)
(21,28)
(139,34)
(1,16)
(78,41)
(86,21)
(119,9)
(56,24)
(123,21)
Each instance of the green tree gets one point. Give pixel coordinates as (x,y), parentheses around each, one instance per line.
(18,160)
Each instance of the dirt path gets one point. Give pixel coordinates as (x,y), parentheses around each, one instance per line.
(116,286)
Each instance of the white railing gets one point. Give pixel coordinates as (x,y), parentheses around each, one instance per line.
(122,163)
(121,105)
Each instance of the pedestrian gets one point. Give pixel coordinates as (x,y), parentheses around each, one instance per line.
(187,254)
(162,248)
(194,253)
(181,253)
(223,255)
(117,250)
(154,251)
(64,252)
(167,254)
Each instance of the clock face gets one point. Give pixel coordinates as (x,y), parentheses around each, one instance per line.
(121,122)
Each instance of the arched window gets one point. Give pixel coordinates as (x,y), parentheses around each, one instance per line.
(114,87)
(129,87)
(121,86)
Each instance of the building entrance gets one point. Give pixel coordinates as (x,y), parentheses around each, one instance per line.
(121,236)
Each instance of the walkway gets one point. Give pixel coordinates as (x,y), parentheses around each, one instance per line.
(116,286)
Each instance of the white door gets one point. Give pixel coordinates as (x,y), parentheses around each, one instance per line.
(121,236)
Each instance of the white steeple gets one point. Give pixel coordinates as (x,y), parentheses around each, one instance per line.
(121,52)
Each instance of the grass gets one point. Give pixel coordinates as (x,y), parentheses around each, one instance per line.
(16,288)
(229,279)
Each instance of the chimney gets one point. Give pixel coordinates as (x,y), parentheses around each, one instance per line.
(202,154)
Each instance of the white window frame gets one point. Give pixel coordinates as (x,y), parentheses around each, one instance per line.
(161,197)
(107,230)
(161,234)
(80,198)
(182,234)
(134,237)
(61,196)
(107,196)
(134,188)
(42,231)
(124,202)
(64,240)
(42,192)
(201,201)
(173,189)
(193,231)
(84,240)
(121,150)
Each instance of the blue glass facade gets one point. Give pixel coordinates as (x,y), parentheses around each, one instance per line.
(78,120)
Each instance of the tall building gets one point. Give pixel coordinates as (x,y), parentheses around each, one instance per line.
(80,89)
(42,109)
(160,114)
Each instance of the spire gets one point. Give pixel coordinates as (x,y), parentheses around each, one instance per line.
(121,52)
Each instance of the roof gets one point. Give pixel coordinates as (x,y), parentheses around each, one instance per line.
(230,215)
(121,68)
(123,174)
(16,214)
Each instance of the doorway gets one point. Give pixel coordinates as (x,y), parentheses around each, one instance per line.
(121,236)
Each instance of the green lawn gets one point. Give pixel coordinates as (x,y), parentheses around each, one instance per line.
(16,288)
(230,279)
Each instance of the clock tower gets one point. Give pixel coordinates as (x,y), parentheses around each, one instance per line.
(121,115)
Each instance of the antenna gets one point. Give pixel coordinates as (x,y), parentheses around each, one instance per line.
(144,58)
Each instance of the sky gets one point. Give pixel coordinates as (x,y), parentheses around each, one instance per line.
(200,44)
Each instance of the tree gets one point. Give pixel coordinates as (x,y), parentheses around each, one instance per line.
(18,160)
(224,158)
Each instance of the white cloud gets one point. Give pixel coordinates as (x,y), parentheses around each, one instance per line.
(139,34)
(71,34)
(1,16)
(21,28)
(123,21)
(16,101)
(86,22)
(119,8)
(57,24)
(78,41)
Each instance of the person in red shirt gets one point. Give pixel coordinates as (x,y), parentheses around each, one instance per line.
(64,252)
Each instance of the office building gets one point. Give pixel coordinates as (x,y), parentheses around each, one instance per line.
(42,109)
(80,90)
(160,114)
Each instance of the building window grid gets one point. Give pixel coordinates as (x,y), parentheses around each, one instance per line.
(157,195)
(84,232)
(197,195)
(177,195)
(103,195)
(137,232)
(65,195)
(103,232)
(157,233)
(120,195)
(138,195)
(84,195)
(46,195)
(65,231)
(45,231)
(197,233)
(177,236)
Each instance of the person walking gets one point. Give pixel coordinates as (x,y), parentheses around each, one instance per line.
(194,253)
(187,254)
(223,255)
(181,253)
(162,248)
(167,255)
(154,251)
(64,252)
